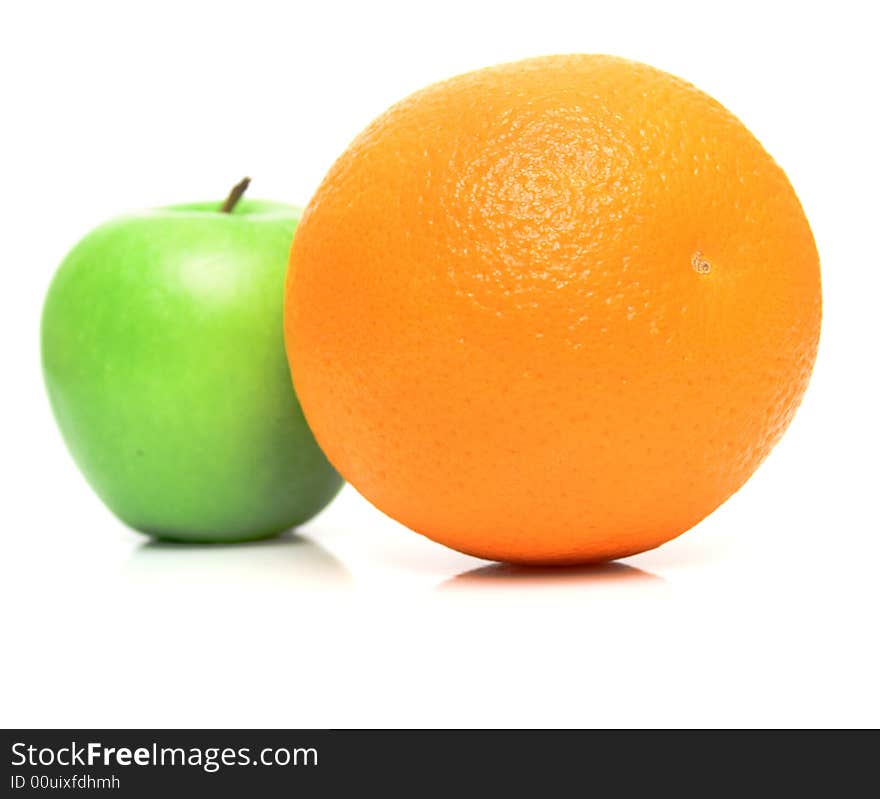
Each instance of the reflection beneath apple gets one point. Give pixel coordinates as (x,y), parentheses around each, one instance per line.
(289,558)
(498,575)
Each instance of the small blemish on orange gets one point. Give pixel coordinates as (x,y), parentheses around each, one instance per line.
(700,264)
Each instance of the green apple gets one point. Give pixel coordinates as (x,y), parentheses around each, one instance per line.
(163,356)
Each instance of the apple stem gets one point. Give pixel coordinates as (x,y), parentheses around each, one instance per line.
(235,195)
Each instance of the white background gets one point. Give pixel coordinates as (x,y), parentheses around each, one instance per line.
(765,614)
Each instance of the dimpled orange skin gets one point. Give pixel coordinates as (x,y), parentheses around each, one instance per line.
(552,312)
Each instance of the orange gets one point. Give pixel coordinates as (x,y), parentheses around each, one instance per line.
(554,311)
